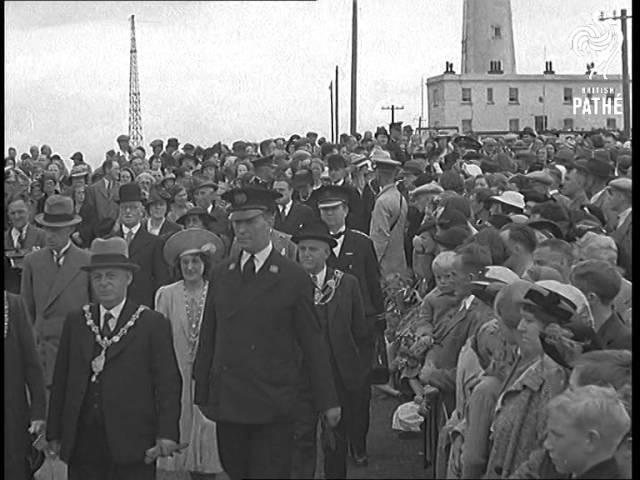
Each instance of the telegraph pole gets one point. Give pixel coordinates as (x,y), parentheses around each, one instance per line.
(337,109)
(421,104)
(393,109)
(354,65)
(331,99)
(626,101)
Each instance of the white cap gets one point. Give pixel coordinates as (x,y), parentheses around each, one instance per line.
(509,197)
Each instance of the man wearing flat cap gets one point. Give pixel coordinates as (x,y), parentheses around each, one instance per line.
(169,162)
(156,148)
(259,317)
(340,310)
(354,253)
(144,248)
(115,399)
(52,282)
(124,151)
(78,159)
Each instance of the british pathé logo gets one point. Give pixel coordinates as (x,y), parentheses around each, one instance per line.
(597,43)
(598,101)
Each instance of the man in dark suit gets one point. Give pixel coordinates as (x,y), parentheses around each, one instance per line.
(338,173)
(100,204)
(290,215)
(145,249)
(339,307)
(354,254)
(204,196)
(258,326)
(115,399)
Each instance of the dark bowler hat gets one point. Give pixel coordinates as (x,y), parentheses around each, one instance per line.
(122,138)
(314,231)
(58,212)
(110,253)
(302,177)
(263,161)
(250,202)
(381,131)
(336,161)
(130,192)
(173,142)
(77,156)
(332,195)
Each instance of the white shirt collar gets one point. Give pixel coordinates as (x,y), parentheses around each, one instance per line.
(466,303)
(155,231)
(321,275)
(340,241)
(115,311)
(15,233)
(623,216)
(63,250)
(286,208)
(135,229)
(210,209)
(259,257)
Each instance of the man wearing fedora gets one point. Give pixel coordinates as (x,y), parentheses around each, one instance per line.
(340,310)
(354,254)
(145,249)
(115,399)
(259,323)
(53,283)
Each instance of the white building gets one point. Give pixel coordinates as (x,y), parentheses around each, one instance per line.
(489,96)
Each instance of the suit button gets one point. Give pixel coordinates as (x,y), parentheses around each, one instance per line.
(253,347)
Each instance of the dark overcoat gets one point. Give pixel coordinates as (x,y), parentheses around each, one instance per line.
(298,216)
(141,384)
(252,342)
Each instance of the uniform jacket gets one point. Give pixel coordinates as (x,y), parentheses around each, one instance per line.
(390,207)
(21,370)
(99,205)
(49,293)
(348,331)
(35,237)
(358,257)
(146,251)
(299,215)
(248,361)
(141,384)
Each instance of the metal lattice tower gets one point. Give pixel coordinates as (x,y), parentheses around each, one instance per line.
(135,120)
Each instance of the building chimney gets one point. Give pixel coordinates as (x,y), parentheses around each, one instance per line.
(548,68)
(449,68)
(495,67)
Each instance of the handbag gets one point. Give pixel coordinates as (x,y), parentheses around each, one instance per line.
(380,363)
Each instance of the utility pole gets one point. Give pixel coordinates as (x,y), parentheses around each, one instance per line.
(135,120)
(393,109)
(421,104)
(331,98)
(354,65)
(626,101)
(337,109)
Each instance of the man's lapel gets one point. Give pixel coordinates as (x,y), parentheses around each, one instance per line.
(139,241)
(64,274)
(333,304)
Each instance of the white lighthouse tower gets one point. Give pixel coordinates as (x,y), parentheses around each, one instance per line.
(487,37)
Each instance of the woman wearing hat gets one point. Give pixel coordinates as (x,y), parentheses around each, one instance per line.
(520,420)
(191,253)
(179,203)
(49,186)
(157,206)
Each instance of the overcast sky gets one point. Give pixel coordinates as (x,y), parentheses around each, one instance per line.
(233,70)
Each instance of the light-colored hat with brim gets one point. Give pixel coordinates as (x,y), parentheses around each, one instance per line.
(382,159)
(515,199)
(193,241)
(431,187)
(58,212)
(623,184)
(110,253)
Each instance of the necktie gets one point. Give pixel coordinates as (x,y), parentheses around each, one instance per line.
(249,270)
(20,239)
(128,236)
(106,326)
(338,235)
(58,257)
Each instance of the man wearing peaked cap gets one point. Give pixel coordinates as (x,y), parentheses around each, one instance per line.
(258,318)
(52,283)
(264,171)
(116,358)
(145,249)
(290,214)
(340,310)
(338,174)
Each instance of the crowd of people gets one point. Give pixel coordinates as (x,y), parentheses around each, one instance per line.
(222,311)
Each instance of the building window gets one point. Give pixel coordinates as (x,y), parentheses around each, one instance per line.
(611,123)
(489,95)
(466,95)
(497,32)
(568,95)
(435,97)
(567,124)
(466,126)
(513,95)
(514,125)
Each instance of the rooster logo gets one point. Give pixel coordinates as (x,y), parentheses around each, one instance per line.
(597,41)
